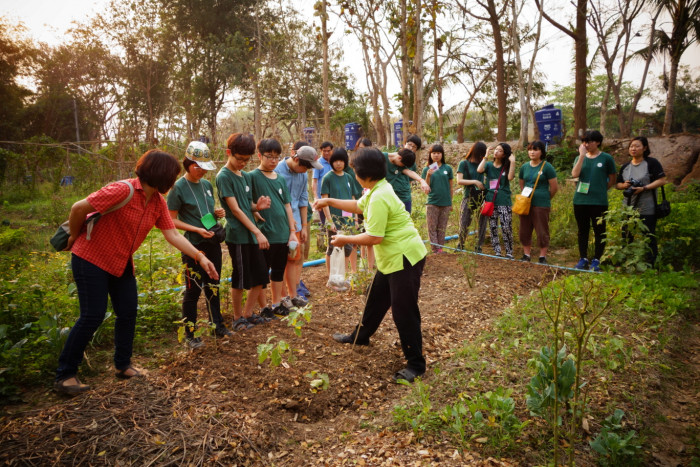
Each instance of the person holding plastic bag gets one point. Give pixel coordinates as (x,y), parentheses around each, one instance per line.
(400,256)
(103,266)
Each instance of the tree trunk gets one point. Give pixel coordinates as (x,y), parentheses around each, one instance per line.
(670,97)
(500,71)
(604,107)
(436,70)
(417,126)
(324,45)
(580,86)
(405,99)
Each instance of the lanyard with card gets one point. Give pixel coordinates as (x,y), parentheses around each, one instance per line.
(208,220)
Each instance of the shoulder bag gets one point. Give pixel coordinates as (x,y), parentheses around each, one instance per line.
(489,206)
(663,209)
(522,203)
(59,240)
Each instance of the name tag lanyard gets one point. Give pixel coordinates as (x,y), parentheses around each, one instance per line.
(208,220)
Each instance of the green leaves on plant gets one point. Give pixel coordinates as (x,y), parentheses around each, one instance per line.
(272,351)
(614,447)
(319,381)
(541,390)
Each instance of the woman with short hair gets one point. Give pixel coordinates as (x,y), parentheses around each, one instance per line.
(103,266)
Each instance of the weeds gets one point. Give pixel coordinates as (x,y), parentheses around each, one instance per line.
(615,447)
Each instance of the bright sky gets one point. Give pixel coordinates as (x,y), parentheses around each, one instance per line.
(48,20)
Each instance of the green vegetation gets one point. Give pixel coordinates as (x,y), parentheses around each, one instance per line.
(612,331)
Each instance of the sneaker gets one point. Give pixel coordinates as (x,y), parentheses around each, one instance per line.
(542,260)
(347,339)
(525,258)
(280,310)
(582,264)
(287,303)
(303,290)
(299,302)
(267,313)
(595,265)
(194,342)
(242,324)
(222,331)
(510,257)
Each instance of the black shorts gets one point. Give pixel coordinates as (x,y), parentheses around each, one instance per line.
(249,266)
(329,251)
(276,259)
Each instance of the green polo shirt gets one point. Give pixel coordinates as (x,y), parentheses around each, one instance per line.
(596,172)
(440,193)
(228,184)
(398,181)
(528,173)
(386,217)
(503,197)
(468,171)
(192,201)
(338,187)
(276,225)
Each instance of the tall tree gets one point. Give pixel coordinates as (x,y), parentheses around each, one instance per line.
(613,27)
(320,7)
(418,98)
(577,31)
(16,54)
(525,80)
(685,30)
(493,15)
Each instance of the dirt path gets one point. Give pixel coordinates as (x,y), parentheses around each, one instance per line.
(217,405)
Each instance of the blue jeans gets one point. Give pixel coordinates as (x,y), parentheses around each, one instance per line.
(94,285)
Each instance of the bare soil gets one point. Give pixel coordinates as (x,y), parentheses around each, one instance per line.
(218,405)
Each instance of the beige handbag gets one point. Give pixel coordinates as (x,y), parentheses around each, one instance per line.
(522,203)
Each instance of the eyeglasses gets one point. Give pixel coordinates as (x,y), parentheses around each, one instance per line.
(272,158)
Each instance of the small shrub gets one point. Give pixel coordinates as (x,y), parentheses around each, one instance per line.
(11,238)
(615,447)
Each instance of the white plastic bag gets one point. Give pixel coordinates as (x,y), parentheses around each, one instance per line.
(336,278)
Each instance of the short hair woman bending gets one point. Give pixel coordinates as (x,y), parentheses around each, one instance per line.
(642,176)
(400,256)
(103,266)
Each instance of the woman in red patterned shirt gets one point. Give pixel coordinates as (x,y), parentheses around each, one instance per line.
(103,266)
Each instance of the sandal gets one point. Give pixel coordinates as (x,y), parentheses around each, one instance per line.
(407,375)
(122,374)
(257,319)
(241,324)
(70,389)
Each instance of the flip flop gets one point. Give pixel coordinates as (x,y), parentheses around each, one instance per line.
(406,374)
(122,374)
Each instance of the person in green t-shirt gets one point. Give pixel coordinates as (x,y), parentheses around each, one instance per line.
(473,200)
(276,223)
(401,169)
(337,184)
(595,171)
(438,176)
(243,238)
(499,173)
(539,171)
(400,255)
(191,205)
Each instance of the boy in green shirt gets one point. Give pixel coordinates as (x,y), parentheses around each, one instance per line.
(276,223)
(243,238)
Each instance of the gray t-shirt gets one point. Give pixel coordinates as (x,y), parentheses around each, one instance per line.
(644,202)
